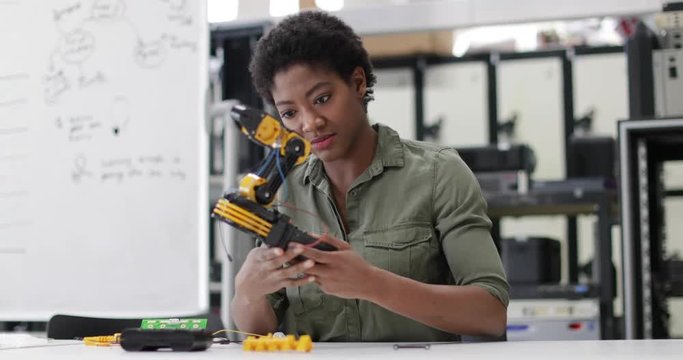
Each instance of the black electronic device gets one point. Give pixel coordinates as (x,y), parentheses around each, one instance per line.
(500,170)
(553,291)
(592,156)
(531,260)
(496,159)
(575,186)
(674,276)
(174,339)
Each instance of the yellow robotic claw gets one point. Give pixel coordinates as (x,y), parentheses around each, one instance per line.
(248,208)
(289,150)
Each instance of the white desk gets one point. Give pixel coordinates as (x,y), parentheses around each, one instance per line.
(553,350)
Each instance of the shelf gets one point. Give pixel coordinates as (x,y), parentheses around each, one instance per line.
(570,197)
(550,203)
(553,291)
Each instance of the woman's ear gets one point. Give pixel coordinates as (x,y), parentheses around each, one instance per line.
(359,82)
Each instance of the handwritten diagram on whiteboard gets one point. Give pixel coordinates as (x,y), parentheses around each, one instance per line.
(102,157)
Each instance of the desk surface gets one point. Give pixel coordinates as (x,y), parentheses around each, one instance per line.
(620,349)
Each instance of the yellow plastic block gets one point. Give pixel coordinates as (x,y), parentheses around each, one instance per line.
(269,343)
(305,344)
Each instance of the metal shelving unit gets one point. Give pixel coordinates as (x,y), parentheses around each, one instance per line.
(572,201)
(645,145)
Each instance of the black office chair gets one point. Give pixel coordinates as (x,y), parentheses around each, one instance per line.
(64,327)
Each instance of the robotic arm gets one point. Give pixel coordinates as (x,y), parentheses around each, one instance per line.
(248,209)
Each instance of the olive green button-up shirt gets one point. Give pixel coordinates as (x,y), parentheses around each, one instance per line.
(416,211)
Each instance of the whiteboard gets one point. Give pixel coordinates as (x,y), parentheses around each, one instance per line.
(103,163)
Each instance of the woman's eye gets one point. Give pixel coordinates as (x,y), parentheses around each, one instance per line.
(322,99)
(287,114)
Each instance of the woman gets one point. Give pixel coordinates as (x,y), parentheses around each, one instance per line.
(416,261)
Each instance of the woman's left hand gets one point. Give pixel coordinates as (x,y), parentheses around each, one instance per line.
(343,273)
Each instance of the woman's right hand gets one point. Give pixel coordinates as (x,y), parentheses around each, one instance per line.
(263,273)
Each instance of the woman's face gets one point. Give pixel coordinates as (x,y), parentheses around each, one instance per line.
(322,107)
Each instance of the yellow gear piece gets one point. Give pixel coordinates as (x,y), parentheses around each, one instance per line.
(248,186)
(268,130)
(307,147)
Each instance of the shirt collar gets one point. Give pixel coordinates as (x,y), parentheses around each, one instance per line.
(388,153)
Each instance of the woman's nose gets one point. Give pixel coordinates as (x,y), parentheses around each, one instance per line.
(312,122)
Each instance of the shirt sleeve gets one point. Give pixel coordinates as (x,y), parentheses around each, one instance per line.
(279,302)
(464,228)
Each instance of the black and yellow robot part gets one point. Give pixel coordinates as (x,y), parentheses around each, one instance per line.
(248,209)
(249,184)
(267,131)
(242,218)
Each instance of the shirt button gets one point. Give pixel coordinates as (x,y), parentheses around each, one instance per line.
(354,192)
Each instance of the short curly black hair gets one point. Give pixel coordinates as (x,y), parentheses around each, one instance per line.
(310,37)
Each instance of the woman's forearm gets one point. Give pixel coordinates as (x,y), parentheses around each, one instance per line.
(464,310)
(253,315)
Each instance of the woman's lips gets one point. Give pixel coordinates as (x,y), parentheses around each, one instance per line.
(323,142)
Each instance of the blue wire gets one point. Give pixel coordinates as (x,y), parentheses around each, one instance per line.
(265,163)
(282,175)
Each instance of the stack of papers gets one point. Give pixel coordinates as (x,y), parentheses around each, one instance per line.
(22,340)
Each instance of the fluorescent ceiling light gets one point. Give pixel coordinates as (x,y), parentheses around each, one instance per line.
(280,8)
(330,5)
(222,10)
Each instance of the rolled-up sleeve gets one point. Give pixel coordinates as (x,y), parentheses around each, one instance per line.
(464,228)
